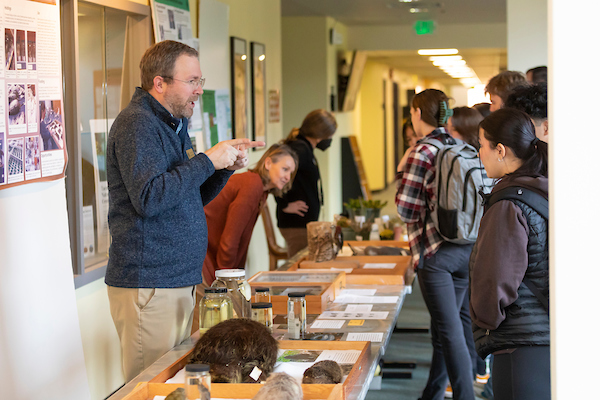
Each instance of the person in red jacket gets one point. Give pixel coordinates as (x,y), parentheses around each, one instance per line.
(231,216)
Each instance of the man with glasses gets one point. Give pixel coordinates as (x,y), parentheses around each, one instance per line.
(158,187)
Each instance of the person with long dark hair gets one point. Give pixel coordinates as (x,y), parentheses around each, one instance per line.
(442,267)
(509,275)
(302,203)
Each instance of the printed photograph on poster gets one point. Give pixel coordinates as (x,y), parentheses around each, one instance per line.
(9,49)
(259,96)
(31,107)
(16,108)
(15,160)
(51,125)
(32,157)
(21,54)
(238,83)
(2,173)
(31,51)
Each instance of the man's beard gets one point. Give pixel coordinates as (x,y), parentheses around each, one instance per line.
(181,109)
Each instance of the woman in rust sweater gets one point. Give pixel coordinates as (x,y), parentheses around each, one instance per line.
(232,214)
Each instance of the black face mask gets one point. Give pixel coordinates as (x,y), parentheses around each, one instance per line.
(324,144)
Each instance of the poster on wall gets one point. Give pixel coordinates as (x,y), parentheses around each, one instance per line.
(171,21)
(32,134)
(216,105)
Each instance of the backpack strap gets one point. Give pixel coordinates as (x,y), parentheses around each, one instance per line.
(533,199)
(540,204)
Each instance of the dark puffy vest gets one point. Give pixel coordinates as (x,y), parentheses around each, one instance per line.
(527,322)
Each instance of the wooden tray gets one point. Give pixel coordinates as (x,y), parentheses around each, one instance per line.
(333,282)
(315,303)
(387,243)
(239,390)
(353,266)
(147,391)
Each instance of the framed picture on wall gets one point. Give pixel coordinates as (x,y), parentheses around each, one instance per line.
(259,91)
(238,87)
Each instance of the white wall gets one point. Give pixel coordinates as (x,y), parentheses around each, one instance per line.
(527,33)
(41,354)
(574,265)
(403,37)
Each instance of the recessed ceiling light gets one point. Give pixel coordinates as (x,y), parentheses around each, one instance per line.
(437,52)
(418,10)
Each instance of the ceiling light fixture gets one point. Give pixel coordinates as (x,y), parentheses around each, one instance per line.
(437,52)
(418,10)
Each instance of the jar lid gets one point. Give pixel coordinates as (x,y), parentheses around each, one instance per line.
(262,305)
(297,294)
(261,289)
(215,290)
(230,273)
(197,368)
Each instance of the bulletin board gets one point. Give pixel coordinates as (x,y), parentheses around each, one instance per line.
(32,131)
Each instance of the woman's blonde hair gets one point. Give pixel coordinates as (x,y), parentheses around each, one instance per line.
(275,153)
(318,124)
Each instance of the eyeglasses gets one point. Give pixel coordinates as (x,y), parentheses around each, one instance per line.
(194,83)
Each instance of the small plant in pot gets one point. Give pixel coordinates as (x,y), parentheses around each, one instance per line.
(354,208)
(372,208)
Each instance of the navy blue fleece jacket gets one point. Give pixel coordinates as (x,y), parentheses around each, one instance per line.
(157,195)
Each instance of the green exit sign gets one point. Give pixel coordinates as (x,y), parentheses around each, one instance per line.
(424,27)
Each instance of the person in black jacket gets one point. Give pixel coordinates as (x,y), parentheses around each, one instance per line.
(302,203)
(509,273)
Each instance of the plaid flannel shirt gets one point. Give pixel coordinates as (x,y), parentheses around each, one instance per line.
(416,192)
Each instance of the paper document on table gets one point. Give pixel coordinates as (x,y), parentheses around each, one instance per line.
(358,292)
(327,324)
(379,266)
(365,337)
(366,299)
(359,307)
(353,315)
(340,356)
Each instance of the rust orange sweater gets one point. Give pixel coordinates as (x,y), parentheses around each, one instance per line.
(230,218)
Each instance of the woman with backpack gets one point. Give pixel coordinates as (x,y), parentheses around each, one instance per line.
(509,265)
(442,267)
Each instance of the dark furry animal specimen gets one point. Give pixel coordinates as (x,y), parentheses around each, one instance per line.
(326,372)
(233,348)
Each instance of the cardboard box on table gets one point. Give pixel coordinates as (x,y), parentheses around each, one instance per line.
(157,387)
(331,283)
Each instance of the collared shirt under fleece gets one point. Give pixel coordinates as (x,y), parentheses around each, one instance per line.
(416,191)
(157,194)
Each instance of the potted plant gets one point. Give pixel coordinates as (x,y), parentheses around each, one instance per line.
(354,208)
(372,208)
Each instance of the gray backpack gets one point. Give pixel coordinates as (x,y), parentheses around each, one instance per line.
(459,176)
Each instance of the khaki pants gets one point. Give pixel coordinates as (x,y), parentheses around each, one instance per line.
(150,322)
(295,239)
